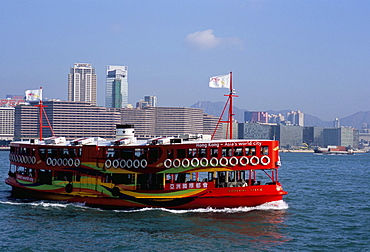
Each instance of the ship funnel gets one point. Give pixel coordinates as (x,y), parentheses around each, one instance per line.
(125,131)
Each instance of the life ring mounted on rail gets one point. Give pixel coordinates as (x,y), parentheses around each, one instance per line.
(108,163)
(243,161)
(265,160)
(167,163)
(213,161)
(203,162)
(77,162)
(176,163)
(194,162)
(254,160)
(224,161)
(185,163)
(233,161)
(136,163)
(115,163)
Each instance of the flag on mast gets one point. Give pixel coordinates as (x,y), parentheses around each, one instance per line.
(34,95)
(220,81)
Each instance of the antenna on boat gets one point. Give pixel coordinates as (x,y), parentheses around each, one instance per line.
(225,81)
(42,111)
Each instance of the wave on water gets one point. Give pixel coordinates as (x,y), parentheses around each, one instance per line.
(44,204)
(274,205)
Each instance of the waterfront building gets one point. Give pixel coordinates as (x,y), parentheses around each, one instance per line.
(209,127)
(168,121)
(151,100)
(255,131)
(68,119)
(82,83)
(116,91)
(6,123)
(313,136)
(343,136)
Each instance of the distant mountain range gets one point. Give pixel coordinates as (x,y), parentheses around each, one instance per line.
(356,120)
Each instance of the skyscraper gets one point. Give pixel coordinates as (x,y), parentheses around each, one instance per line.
(151,100)
(82,83)
(116,91)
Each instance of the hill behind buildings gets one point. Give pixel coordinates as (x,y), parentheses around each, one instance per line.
(356,120)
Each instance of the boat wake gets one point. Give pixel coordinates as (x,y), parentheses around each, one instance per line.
(275,205)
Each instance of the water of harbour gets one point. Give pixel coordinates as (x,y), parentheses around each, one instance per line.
(327,209)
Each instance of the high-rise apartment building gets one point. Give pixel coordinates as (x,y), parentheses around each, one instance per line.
(256,116)
(116,91)
(296,118)
(82,83)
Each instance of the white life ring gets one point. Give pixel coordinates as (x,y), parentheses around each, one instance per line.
(256,162)
(60,162)
(233,161)
(265,162)
(194,162)
(224,161)
(49,161)
(136,163)
(77,162)
(122,163)
(243,161)
(54,162)
(115,163)
(167,163)
(185,163)
(176,163)
(65,162)
(213,162)
(108,163)
(70,162)
(203,162)
(129,163)
(33,160)
(143,163)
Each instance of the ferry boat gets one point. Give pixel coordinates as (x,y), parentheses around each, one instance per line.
(185,172)
(180,172)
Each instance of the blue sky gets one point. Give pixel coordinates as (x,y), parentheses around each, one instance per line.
(311,55)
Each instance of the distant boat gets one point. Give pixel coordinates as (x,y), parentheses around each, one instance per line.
(334,150)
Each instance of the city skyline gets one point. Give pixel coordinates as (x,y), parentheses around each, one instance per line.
(310,56)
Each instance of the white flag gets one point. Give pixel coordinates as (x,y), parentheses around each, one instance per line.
(34,95)
(221,81)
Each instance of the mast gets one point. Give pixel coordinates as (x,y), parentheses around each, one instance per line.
(229,103)
(41,111)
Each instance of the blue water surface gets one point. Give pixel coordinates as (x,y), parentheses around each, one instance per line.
(327,209)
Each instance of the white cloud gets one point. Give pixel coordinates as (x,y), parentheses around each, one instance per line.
(204,40)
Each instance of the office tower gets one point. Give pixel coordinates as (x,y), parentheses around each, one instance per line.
(151,100)
(116,91)
(82,83)
(336,123)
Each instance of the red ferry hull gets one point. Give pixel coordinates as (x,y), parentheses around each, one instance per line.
(215,198)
